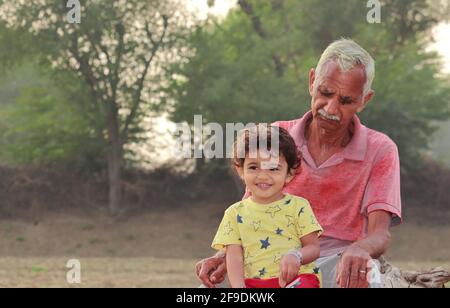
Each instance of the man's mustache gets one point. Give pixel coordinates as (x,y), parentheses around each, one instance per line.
(324,114)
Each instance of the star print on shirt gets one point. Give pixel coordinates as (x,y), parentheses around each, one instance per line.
(316,270)
(273,210)
(228,229)
(256,225)
(277,258)
(248,255)
(314,221)
(302,211)
(279,231)
(239,219)
(265,243)
(287,202)
(291,220)
(262,272)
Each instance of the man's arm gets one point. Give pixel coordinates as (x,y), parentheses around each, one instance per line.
(352,269)
(212,271)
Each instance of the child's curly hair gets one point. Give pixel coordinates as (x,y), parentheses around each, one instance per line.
(287,146)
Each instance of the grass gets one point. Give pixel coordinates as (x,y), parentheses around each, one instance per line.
(98,272)
(157,249)
(37,269)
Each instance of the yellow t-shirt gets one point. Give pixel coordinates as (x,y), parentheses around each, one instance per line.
(266,232)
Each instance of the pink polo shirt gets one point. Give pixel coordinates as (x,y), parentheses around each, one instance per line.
(362,178)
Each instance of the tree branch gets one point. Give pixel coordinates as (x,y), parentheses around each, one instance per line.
(137,95)
(257,25)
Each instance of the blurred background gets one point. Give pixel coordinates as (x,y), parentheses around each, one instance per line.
(88,113)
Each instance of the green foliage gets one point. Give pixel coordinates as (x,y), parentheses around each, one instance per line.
(41,124)
(253,67)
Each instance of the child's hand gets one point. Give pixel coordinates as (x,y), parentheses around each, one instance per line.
(289,268)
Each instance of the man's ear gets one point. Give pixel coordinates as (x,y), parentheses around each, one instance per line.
(312,78)
(366,100)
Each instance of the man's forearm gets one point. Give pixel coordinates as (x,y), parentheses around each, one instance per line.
(376,244)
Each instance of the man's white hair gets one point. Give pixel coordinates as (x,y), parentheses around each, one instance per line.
(348,55)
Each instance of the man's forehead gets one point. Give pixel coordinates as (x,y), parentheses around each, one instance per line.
(335,79)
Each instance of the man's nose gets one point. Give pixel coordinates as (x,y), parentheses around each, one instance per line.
(332,107)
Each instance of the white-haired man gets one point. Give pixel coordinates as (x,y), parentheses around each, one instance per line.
(350,173)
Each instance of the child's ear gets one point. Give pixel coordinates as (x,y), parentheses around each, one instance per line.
(239,171)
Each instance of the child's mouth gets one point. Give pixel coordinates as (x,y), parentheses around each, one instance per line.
(264,186)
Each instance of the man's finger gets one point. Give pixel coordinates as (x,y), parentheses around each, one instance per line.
(283,275)
(198,266)
(204,274)
(292,274)
(354,277)
(344,273)
(218,275)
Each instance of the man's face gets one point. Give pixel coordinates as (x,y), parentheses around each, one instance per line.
(337,96)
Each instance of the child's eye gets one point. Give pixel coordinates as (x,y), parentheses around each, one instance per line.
(252,167)
(274,169)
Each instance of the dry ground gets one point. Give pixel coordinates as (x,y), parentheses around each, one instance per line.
(156,249)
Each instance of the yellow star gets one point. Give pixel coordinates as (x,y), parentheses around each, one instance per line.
(291,220)
(273,210)
(248,256)
(277,258)
(228,229)
(256,225)
(314,221)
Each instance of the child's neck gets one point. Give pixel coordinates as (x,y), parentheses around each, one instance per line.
(268,200)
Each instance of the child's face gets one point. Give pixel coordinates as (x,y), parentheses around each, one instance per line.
(265,177)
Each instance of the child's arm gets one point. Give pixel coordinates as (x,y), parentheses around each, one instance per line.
(290,265)
(235,266)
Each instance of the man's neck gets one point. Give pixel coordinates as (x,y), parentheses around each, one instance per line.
(325,139)
(323,144)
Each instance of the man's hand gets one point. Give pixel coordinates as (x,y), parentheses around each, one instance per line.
(211,271)
(352,269)
(289,268)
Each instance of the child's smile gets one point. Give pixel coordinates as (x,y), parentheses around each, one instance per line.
(265,177)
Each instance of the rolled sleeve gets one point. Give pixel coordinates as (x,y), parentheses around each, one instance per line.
(383,188)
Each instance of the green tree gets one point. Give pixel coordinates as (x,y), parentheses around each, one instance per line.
(41,124)
(119,50)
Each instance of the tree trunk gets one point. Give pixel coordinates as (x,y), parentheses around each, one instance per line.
(114,161)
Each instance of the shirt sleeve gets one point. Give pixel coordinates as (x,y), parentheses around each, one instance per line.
(228,232)
(383,188)
(307,222)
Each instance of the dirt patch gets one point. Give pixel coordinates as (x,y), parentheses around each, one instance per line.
(157,249)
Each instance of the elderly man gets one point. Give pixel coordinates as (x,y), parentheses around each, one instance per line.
(350,173)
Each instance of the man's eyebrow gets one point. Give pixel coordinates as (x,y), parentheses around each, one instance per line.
(347,99)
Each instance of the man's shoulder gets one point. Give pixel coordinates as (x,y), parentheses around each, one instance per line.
(379,143)
(287,124)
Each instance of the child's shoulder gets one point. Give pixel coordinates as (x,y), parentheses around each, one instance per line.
(298,201)
(235,206)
